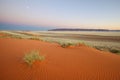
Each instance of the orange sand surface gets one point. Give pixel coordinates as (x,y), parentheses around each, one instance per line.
(73,63)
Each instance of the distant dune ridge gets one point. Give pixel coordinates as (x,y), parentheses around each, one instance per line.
(78,29)
(8,26)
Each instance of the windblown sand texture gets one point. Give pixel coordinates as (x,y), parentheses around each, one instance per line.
(73,63)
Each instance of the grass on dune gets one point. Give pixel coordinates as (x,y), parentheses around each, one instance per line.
(34,38)
(116,51)
(32,56)
(65,45)
(112,50)
(103,46)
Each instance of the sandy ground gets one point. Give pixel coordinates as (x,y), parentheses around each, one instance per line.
(87,37)
(78,63)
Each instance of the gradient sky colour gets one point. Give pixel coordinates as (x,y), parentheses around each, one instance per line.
(103,14)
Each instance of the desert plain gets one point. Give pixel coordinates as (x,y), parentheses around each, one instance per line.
(81,62)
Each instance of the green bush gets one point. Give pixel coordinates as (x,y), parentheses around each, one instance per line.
(99,48)
(17,37)
(32,56)
(112,50)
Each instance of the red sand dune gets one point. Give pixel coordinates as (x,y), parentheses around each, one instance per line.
(79,63)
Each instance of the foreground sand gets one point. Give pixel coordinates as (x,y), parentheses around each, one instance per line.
(79,63)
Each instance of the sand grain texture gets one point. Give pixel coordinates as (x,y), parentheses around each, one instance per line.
(74,63)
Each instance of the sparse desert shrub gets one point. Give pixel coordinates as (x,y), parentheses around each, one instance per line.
(34,38)
(81,44)
(99,48)
(17,37)
(65,45)
(11,36)
(32,56)
(114,50)
(107,49)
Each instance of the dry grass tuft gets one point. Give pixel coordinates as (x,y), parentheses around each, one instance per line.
(33,56)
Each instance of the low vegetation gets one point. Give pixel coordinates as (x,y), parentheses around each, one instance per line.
(34,38)
(25,33)
(65,45)
(115,51)
(33,56)
(112,50)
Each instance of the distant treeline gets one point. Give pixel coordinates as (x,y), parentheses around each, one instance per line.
(82,30)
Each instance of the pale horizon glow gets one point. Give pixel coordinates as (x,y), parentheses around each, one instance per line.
(96,14)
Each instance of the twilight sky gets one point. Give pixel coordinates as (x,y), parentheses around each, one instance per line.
(103,14)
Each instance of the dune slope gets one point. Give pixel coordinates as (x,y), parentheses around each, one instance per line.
(78,63)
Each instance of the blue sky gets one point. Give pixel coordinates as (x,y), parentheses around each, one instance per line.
(103,14)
